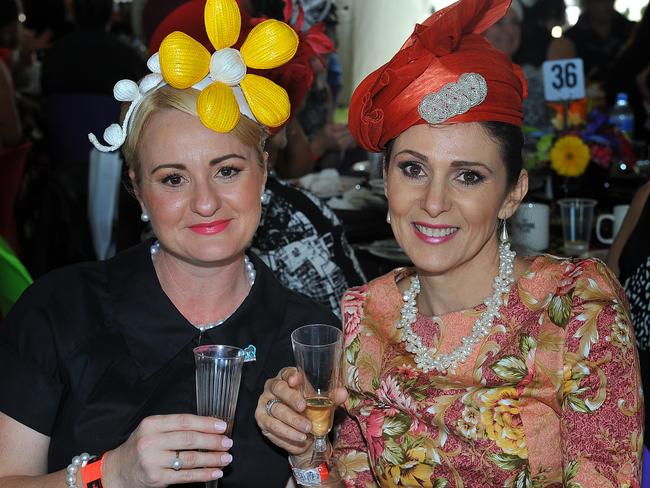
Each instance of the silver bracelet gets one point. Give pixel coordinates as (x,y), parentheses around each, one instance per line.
(73,468)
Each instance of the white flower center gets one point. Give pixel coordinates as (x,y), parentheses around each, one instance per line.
(227,66)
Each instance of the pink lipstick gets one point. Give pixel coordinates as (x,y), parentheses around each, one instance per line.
(434,234)
(210,228)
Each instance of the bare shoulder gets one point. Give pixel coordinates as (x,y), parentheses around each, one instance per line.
(23,451)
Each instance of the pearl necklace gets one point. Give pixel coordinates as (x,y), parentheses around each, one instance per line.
(250,273)
(427,359)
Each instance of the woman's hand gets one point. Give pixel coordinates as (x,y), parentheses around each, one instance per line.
(145,459)
(287,426)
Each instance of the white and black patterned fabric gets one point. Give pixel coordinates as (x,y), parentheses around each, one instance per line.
(302,241)
(637,288)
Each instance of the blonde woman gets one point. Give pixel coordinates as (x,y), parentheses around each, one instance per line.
(97,358)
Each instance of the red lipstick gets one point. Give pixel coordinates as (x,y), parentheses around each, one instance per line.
(210,228)
(429,239)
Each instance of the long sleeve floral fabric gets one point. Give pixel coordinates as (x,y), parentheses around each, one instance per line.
(550,398)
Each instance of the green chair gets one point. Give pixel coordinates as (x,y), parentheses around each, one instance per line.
(14,278)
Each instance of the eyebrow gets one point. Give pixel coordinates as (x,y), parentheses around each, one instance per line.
(454,164)
(212,162)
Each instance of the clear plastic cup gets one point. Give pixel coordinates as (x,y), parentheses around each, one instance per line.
(577,218)
(218,375)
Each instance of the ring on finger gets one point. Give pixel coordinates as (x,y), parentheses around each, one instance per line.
(269,406)
(177,462)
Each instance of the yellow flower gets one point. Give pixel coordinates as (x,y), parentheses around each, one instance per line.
(570,156)
(222,76)
(412,472)
(502,422)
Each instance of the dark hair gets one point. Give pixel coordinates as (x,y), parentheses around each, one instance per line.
(93,14)
(510,140)
(8,12)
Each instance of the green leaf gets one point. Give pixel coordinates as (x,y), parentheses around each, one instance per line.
(523,479)
(506,461)
(352,351)
(559,310)
(440,483)
(375,383)
(397,425)
(578,404)
(570,470)
(510,368)
(393,453)
(526,344)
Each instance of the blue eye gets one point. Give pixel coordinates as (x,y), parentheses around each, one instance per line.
(411,169)
(469,177)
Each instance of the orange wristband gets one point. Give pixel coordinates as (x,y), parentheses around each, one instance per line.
(91,473)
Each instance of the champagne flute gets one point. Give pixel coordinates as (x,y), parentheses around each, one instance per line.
(317,350)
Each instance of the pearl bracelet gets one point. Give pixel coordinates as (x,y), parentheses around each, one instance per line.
(73,468)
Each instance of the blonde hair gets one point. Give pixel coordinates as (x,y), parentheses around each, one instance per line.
(247,131)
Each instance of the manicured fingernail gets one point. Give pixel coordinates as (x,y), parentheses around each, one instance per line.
(226,458)
(300,405)
(220,425)
(227,443)
(216,474)
(302,437)
(307,428)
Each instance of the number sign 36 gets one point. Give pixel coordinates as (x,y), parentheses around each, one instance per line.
(564,79)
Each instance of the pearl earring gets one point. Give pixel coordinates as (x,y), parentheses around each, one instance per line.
(144,217)
(388,218)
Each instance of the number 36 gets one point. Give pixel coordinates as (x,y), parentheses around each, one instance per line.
(565,76)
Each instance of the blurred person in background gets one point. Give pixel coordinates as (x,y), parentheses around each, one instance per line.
(107,59)
(10,125)
(505,35)
(597,38)
(539,20)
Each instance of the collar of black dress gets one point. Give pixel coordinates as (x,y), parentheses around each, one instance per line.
(155,331)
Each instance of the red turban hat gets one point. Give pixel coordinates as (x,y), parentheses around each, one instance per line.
(446,72)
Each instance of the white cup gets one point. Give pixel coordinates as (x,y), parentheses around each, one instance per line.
(530,226)
(616,218)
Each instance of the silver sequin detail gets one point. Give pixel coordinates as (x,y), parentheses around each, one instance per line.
(453,99)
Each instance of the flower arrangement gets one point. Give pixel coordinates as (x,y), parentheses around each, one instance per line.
(578,139)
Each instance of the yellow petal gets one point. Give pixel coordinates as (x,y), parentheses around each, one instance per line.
(269,44)
(268,101)
(217,107)
(222,22)
(183,61)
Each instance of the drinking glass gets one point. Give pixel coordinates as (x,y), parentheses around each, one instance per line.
(577,217)
(218,374)
(317,350)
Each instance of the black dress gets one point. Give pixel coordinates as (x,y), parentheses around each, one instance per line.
(92,349)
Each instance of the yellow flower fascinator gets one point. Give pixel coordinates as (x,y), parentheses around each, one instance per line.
(227,90)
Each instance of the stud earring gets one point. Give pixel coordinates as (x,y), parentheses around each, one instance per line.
(144,217)
(503,233)
(388,218)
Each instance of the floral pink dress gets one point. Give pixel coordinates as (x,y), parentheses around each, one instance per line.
(551,397)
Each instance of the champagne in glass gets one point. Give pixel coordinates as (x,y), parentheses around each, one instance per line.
(317,350)
(320,410)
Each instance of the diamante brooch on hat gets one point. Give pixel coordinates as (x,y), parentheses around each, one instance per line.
(453,99)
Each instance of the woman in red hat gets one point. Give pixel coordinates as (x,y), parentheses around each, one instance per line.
(475,367)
